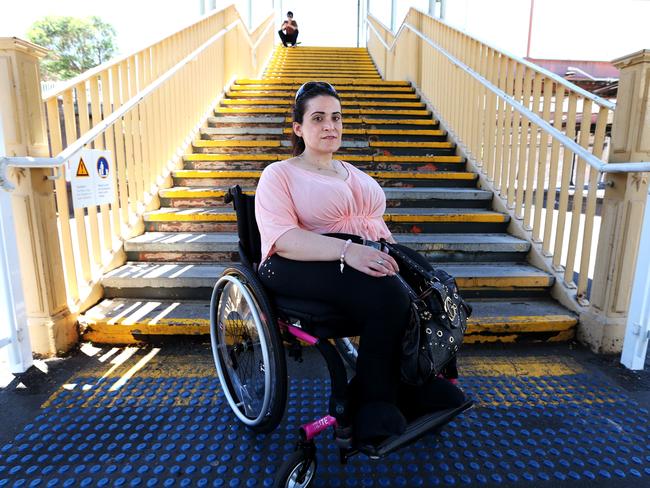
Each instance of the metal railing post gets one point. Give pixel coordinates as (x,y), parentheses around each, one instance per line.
(13,312)
(637,330)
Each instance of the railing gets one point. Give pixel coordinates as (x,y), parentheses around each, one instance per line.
(529,131)
(145,108)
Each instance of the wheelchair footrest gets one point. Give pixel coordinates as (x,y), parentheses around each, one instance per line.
(414,431)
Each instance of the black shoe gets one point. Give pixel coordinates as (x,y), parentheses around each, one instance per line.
(375,421)
(437,394)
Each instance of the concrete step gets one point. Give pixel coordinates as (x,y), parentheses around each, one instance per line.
(180,280)
(205,178)
(345,95)
(132,320)
(221,130)
(243,144)
(256,120)
(342,89)
(377,112)
(415,220)
(347,105)
(223,246)
(183,197)
(257,162)
(340,81)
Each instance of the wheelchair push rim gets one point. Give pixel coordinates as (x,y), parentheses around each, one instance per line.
(240,351)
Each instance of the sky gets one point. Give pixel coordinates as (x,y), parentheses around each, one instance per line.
(562,29)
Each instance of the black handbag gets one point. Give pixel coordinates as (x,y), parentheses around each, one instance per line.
(437,323)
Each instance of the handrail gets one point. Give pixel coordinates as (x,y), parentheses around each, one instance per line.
(534,118)
(558,79)
(78,145)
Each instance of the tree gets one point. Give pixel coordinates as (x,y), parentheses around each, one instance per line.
(76,44)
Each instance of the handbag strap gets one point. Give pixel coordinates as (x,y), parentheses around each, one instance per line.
(409,261)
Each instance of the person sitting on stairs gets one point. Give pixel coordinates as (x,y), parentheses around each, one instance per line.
(289,31)
(297,202)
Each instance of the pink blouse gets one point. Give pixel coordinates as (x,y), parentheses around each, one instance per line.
(290,197)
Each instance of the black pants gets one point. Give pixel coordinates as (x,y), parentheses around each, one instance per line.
(379,305)
(288,38)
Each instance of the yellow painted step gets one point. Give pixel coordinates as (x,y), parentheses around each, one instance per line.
(210,215)
(445,145)
(520,323)
(369,121)
(236,143)
(291,88)
(344,103)
(344,95)
(348,157)
(410,175)
(392,132)
(300,81)
(351,111)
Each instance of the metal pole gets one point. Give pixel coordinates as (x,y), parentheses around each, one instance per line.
(432,8)
(393,15)
(530,27)
(250,15)
(637,331)
(358,23)
(202,7)
(14,332)
(443,9)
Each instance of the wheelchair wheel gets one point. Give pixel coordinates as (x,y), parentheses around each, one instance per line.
(297,471)
(348,347)
(247,350)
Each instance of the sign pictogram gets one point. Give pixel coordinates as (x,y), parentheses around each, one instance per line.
(103,168)
(82,171)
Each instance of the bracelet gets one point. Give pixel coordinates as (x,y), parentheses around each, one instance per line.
(345,248)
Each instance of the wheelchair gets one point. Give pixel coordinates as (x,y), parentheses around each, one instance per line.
(249,331)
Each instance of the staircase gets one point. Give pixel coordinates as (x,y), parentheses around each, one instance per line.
(433,203)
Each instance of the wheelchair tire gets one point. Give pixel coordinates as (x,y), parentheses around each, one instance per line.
(297,471)
(247,350)
(348,348)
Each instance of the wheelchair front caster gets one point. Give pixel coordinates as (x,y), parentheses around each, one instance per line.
(297,471)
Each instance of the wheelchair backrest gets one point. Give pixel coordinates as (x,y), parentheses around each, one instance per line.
(250,246)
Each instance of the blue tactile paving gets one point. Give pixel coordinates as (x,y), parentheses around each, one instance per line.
(177,432)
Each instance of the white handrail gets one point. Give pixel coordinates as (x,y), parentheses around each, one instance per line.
(533,117)
(78,145)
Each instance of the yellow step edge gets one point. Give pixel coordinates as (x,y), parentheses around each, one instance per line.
(350,111)
(460,217)
(345,157)
(441,175)
(395,132)
(368,121)
(300,81)
(561,336)
(411,144)
(232,157)
(410,175)
(111,331)
(502,283)
(344,103)
(343,89)
(343,95)
(193,193)
(233,143)
(208,173)
(251,110)
(527,323)
(232,217)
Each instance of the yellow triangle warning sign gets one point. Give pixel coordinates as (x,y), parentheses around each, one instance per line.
(81,169)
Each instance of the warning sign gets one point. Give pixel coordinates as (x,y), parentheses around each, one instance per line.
(91,178)
(81,169)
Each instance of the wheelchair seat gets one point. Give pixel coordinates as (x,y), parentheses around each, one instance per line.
(317,318)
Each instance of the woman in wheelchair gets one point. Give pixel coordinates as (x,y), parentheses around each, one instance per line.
(316,215)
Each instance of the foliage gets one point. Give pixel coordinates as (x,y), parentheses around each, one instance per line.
(76,44)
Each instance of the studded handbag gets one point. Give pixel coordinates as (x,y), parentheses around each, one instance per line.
(437,323)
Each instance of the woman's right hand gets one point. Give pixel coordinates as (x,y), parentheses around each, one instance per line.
(370,261)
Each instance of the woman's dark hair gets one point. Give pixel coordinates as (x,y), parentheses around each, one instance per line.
(306,92)
(289,13)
